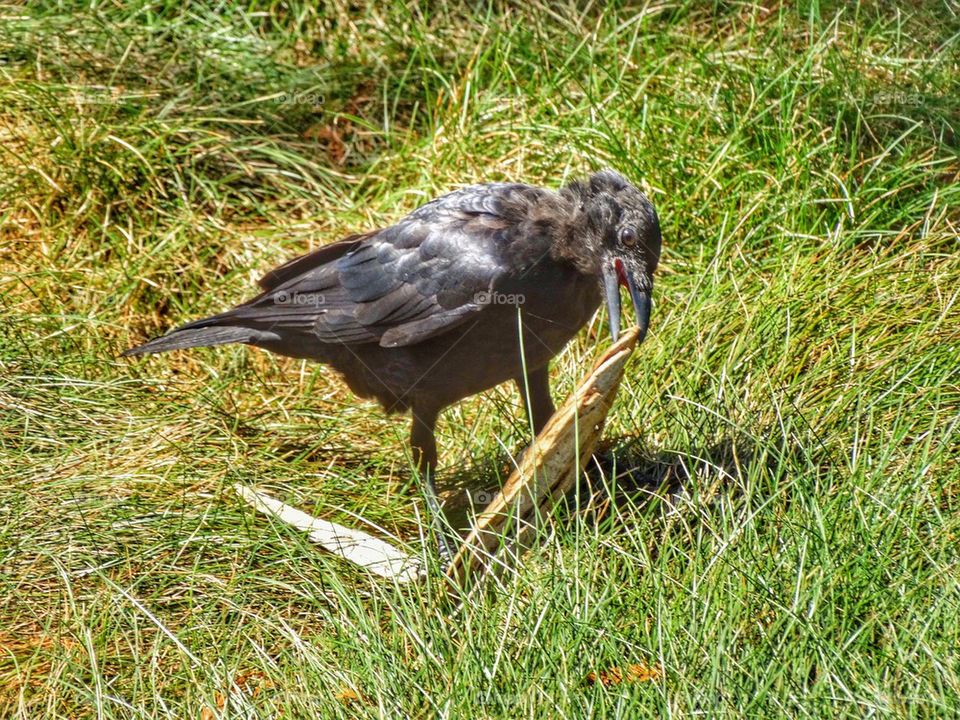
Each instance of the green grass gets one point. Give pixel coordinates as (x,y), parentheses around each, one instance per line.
(800,383)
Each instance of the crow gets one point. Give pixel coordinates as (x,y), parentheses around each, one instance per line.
(480,286)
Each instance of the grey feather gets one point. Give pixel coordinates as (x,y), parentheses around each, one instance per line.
(201,337)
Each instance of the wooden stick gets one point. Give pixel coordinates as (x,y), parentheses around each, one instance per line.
(548,470)
(360,548)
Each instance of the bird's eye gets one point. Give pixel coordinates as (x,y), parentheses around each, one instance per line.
(628,237)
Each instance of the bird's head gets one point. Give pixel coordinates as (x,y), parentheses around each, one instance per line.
(622,243)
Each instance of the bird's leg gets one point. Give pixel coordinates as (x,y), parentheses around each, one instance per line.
(535,391)
(539,405)
(423,443)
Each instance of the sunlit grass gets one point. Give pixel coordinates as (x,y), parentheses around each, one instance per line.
(798,394)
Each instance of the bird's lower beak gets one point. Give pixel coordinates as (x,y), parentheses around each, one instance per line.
(615,274)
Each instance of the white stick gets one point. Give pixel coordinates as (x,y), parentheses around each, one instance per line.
(370,553)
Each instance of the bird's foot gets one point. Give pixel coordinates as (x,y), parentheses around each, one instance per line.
(438,522)
(444,554)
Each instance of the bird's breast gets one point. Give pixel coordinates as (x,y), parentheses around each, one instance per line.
(527,321)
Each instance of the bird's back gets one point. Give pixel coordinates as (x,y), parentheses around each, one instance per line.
(429,305)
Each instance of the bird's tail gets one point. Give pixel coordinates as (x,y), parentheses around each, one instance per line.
(203,333)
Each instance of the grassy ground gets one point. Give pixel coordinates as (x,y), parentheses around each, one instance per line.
(800,382)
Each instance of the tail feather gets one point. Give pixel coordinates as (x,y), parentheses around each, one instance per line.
(189,337)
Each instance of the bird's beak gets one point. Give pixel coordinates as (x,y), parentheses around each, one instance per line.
(614,275)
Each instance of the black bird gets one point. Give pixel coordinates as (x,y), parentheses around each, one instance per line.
(426,312)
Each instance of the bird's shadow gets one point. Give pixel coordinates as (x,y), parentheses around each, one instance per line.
(623,471)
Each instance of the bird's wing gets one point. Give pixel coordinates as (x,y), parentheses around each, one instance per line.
(304,263)
(406,283)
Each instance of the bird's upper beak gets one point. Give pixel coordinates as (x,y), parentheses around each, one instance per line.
(615,274)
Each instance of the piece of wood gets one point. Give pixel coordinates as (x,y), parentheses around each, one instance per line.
(547,471)
(356,546)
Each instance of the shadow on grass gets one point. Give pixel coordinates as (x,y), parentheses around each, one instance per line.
(625,474)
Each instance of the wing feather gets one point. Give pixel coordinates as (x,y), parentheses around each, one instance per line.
(403,284)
